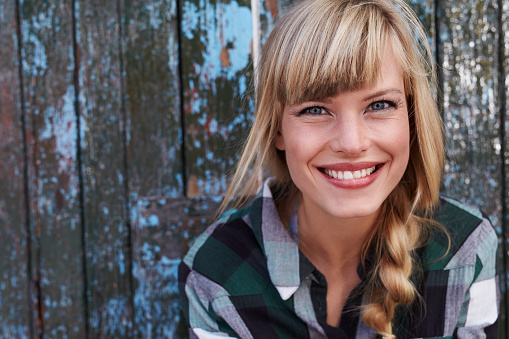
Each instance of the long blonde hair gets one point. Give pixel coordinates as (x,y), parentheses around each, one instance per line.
(317,50)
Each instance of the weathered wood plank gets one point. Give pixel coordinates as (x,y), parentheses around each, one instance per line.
(155,161)
(471,112)
(108,256)
(48,67)
(503,84)
(15,319)
(216,72)
(164,232)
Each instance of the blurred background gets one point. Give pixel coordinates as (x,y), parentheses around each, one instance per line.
(120,121)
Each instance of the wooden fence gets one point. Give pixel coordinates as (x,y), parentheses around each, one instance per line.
(119,122)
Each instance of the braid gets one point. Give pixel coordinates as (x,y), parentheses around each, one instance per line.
(388,283)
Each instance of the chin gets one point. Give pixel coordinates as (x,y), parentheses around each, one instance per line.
(352,213)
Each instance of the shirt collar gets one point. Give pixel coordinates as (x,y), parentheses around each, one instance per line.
(281,251)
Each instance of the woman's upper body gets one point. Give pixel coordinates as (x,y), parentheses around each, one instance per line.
(347,126)
(246,277)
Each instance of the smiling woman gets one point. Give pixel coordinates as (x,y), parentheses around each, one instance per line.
(348,238)
(345,138)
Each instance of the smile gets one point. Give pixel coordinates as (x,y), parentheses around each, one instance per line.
(349,175)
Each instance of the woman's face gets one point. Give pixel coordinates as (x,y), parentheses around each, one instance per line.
(348,152)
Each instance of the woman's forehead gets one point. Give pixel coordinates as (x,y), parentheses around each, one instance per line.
(330,82)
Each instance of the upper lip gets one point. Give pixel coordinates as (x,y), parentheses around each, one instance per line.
(350,166)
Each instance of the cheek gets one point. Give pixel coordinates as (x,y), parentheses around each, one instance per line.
(300,150)
(400,143)
(295,151)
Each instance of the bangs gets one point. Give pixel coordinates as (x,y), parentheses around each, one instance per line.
(329,49)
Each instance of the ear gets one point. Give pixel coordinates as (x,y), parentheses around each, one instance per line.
(280,141)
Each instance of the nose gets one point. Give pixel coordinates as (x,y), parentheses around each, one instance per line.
(349,136)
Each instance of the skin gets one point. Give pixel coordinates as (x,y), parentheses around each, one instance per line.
(347,132)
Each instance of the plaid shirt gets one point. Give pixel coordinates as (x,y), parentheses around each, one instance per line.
(245,277)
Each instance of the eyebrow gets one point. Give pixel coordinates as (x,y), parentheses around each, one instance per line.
(382,93)
(368,98)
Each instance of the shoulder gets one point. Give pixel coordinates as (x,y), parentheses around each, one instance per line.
(228,254)
(459,284)
(469,238)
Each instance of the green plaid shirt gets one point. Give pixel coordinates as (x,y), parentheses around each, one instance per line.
(245,277)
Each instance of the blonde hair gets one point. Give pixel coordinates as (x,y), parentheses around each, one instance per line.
(321,48)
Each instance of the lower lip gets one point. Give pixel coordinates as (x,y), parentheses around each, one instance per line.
(354,183)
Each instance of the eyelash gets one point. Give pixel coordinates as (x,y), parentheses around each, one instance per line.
(391,104)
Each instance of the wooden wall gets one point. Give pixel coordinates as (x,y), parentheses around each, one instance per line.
(120,121)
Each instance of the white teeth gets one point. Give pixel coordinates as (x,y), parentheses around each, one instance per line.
(348,175)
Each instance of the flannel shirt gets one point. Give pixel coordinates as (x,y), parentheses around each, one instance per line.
(245,277)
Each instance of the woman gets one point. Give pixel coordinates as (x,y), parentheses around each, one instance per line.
(348,237)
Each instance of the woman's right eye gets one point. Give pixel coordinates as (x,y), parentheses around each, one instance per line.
(315,110)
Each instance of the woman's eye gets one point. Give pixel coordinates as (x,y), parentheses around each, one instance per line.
(380,105)
(315,110)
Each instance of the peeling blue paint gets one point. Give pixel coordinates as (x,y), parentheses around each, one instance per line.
(222,25)
(40,60)
(190,19)
(155,16)
(153,220)
(156,298)
(115,312)
(121,261)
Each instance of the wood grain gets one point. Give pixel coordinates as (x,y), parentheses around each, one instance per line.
(155,163)
(108,252)
(15,294)
(48,77)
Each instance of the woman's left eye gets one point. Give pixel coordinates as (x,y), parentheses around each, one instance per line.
(380,105)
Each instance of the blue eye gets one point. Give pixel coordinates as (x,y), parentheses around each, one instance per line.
(315,110)
(379,105)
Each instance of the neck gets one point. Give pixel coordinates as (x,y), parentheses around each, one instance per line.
(330,242)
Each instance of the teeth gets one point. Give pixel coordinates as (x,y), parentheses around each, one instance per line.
(348,175)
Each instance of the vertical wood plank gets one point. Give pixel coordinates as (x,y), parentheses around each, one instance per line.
(48,69)
(164,232)
(216,73)
(155,164)
(15,318)
(503,83)
(104,173)
(471,113)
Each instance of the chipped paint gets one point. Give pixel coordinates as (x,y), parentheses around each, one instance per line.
(218,41)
